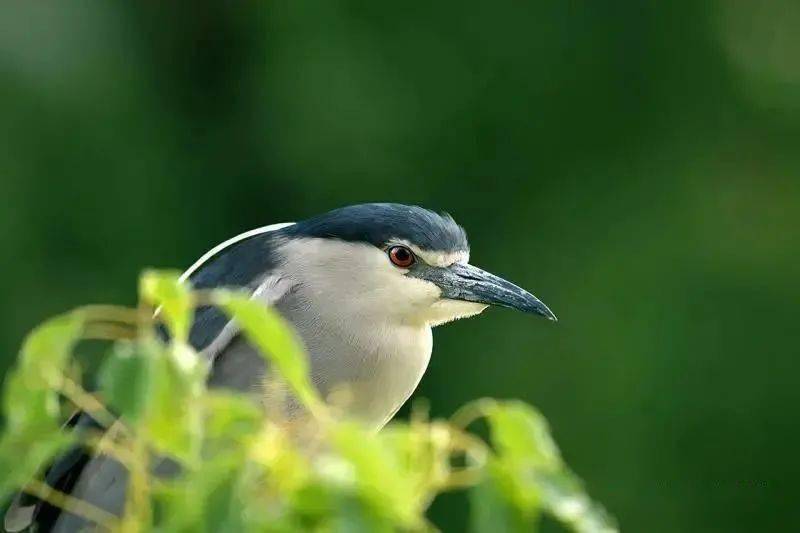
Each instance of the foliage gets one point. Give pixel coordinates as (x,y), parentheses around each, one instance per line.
(241,470)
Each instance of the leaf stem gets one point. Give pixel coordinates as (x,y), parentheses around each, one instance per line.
(87,402)
(471,412)
(72,505)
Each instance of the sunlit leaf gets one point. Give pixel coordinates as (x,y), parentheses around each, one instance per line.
(23,455)
(377,473)
(30,400)
(28,408)
(275,339)
(175,418)
(231,416)
(46,349)
(359,515)
(232,422)
(521,433)
(286,468)
(165,291)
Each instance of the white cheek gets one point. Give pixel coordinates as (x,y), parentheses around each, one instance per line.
(444,311)
(408,298)
(357,280)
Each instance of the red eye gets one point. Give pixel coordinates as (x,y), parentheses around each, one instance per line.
(401,256)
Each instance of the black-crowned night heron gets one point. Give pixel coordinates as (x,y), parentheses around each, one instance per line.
(362,285)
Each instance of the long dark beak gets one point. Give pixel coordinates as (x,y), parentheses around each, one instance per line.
(466,282)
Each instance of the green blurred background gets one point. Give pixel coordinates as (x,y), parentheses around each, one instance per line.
(635,164)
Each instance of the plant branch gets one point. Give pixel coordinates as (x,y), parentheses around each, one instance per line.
(72,505)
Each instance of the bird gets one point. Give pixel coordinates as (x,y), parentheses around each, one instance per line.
(362,286)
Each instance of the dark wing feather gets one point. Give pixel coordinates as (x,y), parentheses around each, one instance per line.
(243,265)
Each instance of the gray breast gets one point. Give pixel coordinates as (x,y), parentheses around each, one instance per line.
(366,371)
(372,369)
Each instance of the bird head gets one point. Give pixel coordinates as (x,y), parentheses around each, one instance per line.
(397,263)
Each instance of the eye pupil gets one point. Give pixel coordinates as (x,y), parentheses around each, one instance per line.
(401,256)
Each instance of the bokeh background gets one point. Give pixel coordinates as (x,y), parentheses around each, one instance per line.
(635,164)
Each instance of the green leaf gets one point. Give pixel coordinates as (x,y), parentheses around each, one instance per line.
(126,379)
(356,515)
(161,387)
(379,477)
(231,422)
(209,500)
(521,433)
(46,350)
(30,402)
(275,339)
(23,456)
(174,420)
(28,408)
(564,497)
(172,298)
(533,474)
(493,507)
